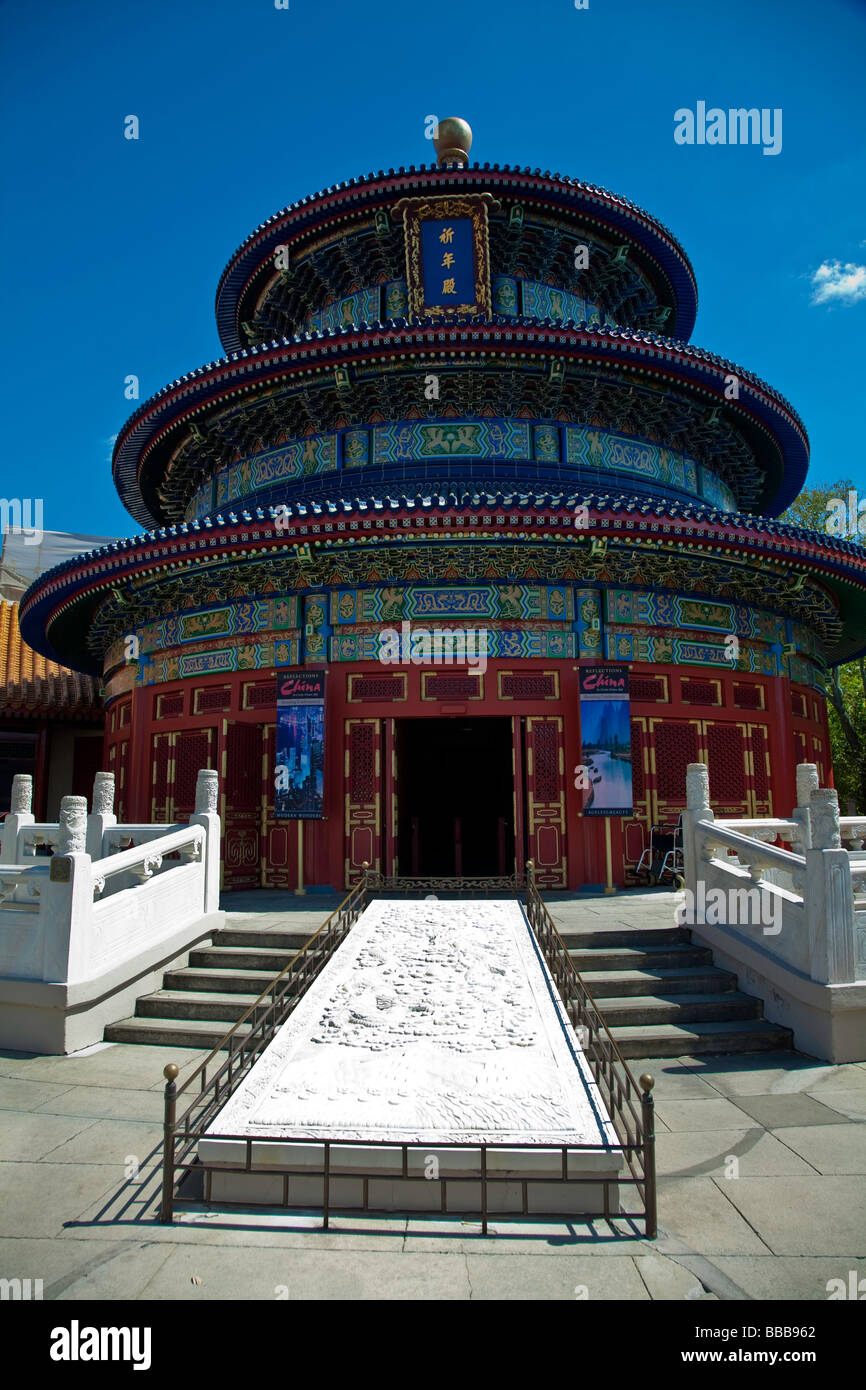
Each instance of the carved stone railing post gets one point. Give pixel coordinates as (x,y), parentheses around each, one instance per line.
(102,815)
(697,809)
(807,783)
(829,894)
(68,896)
(824,816)
(19,816)
(73,825)
(206,802)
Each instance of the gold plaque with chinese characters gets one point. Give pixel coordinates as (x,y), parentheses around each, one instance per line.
(447,255)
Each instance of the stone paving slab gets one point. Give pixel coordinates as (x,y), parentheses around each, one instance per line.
(114,1142)
(851,1104)
(817,1215)
(100,1102)
(29,1095)
(776,1111)
(707,1154)
(32,1136)
(696,1113)
(253,1273)
(839,1150)
(797,1278)
(575,1277)
(701,1215)
(37,1199)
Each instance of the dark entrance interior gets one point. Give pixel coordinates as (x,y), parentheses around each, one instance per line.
(455,796)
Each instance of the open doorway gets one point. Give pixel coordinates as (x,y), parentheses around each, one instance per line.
(455,791)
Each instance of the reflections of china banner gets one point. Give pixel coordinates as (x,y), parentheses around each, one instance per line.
(299,778)
(605,739)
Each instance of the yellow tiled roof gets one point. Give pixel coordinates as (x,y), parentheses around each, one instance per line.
(31,685)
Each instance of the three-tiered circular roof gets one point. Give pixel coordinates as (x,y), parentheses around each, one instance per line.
(347,240)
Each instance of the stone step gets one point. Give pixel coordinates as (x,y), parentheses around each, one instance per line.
(222,981)
(241,958)
(641,958)
(588,938)
(606,984)
(166,1032)
(209,1005)
(688,1040)
(679,1008)
(253,936)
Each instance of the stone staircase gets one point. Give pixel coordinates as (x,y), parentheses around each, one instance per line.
(662,996)
(199,1002)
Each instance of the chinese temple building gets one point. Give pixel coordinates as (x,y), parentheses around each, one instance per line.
(456,397)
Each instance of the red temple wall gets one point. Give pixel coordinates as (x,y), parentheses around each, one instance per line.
(750,730)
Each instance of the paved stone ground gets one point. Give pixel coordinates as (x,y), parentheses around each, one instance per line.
(761,1162)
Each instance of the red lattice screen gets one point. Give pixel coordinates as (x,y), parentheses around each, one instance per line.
(748,696)
(258,696)
(676,745)
(638,781)
(244,767)
(168,706)
(541,687)
(759,758)
(219,698)
(700,692)
(192,752)
(378,688)
(726,760)
(647,689)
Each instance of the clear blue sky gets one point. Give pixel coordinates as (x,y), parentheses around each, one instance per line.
(112,248)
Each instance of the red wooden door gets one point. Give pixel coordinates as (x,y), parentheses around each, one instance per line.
(243,773)
(363,799)
(545,799)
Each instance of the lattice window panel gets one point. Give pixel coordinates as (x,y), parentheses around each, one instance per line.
(800,747)
(798,704)
(169,705)
(260,696)
(546,761)
(645,688)
(362,761)
(748,696)
(695,692)
(244,767)
(528,687)
(759,759)
(638,780)
(191,752)
(159,777)
(726,760)
(124,713)
(818,759)
(377,687)
(676,745)
(451,687)
(209,698)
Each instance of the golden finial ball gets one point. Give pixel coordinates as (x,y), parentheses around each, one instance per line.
(170,1071)
(453,141)
(647,1081)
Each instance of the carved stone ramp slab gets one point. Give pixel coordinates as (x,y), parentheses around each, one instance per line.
(435,1023)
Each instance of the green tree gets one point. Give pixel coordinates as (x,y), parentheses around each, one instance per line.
(847,688)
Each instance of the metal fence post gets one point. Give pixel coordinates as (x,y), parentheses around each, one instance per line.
(167,1209)
(647,1082)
